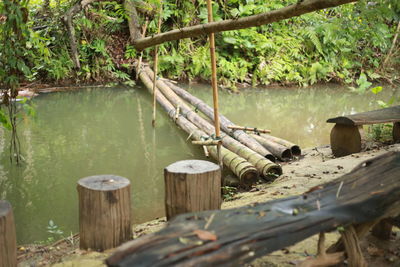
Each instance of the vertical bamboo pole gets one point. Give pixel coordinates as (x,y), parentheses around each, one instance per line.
(214,82)
(153,122)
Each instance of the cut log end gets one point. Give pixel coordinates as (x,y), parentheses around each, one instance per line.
(104,212)
(249,177)
(286,154)
(192,167)
(8,243)
(270,157)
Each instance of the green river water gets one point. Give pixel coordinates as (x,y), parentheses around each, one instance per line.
(108,131)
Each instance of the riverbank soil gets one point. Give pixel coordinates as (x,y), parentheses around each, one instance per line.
(314,167)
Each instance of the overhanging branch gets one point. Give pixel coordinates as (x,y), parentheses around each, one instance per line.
(294,10)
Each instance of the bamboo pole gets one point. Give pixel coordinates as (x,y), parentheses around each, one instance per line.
(256,130)
(139,64)
(246,172)
(214,81)
(153,121)
(280,151)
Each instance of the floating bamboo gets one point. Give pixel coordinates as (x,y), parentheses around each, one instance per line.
(267,169)
(246,172)
(256,130)
(280,151)
(237,134)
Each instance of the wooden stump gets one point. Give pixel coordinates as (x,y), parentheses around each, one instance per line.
(104,211)
(383,230)
(190,186)
(346,139)
(8,240)
(396,132)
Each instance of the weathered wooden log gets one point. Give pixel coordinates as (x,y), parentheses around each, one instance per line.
(236,236)
(295,149)
(278,150)
(191,186)
(104,211)
(269,170)
(225,123)
(396,132)
(245,171)
(8,238)
(346,139)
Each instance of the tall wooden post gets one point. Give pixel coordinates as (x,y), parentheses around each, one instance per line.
(190,186)
(8,239)
(104,211)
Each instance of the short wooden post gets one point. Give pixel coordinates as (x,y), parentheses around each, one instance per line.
(352,246)
(8,239)
(346,139)
(104,211)
(190,186)
(396,132)
(383,229)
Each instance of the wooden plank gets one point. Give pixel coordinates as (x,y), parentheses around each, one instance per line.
(236,236)
(391,114)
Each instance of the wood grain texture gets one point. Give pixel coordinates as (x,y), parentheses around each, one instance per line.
(104,211)
(391,114)
(8,238)
(396,132)
(368,193)
(346,139)
(191,186)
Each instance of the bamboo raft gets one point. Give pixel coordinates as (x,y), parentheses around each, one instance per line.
(248,156)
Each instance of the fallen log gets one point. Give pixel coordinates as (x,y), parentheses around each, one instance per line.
(269,170)
(245,171)
(282,152)
(236,236)
(239,135)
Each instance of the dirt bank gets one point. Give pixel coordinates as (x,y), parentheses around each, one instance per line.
(316,166)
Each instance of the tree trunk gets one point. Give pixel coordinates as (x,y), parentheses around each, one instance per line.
(302,7)
(8,239)
(133,20)
(246,172)
(67,19)
(370,192)
(192,186)
(104,211)
(237,134)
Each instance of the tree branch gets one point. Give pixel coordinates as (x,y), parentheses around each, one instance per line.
(294,10)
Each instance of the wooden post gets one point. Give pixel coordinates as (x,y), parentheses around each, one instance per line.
(396,131)
(104,211)
(8,239)
(383,229)
(352,246)
(190,186)
(346,139)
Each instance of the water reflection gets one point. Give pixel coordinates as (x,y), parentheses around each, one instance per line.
(101,131)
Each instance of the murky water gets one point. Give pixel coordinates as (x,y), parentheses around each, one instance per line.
(108,131)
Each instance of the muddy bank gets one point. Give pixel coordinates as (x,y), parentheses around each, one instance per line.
(316,166)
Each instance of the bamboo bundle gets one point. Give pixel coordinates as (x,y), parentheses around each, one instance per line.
(269,170)
(280,151)
(246,172)
(239,135)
